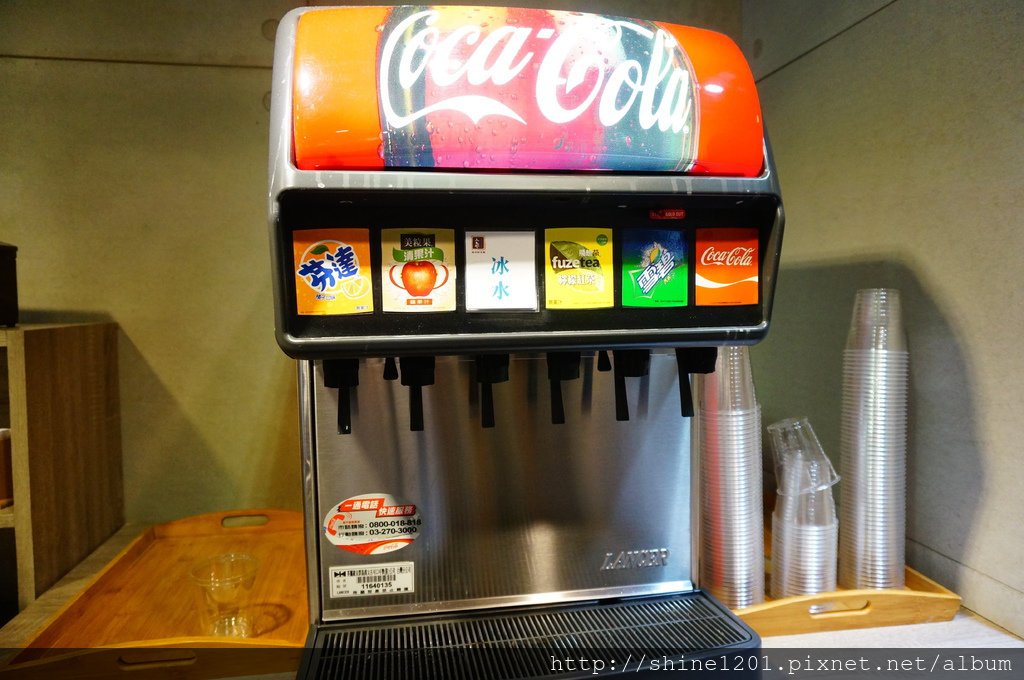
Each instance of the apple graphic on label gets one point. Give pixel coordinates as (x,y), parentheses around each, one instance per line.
(419,277)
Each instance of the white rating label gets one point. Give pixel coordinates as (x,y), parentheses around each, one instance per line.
(372,579)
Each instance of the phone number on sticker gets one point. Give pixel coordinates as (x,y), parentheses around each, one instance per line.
(394,523)
(392,531)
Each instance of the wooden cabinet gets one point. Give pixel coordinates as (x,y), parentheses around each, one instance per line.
(59,397)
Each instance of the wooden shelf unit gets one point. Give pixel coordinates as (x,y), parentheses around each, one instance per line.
(59,396)
(7,518)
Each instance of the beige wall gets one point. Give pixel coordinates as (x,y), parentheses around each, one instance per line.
(897,128)
(133,160)
(133,142)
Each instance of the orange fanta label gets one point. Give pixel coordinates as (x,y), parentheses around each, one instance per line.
(332,271)
(727,267)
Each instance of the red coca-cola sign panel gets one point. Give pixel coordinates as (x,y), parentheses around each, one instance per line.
(485,88)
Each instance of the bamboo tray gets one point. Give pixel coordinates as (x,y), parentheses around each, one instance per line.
(141,609)
(922,600)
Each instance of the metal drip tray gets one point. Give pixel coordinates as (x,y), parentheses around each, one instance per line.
(527,643)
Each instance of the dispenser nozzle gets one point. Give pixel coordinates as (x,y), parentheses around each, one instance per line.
(692,360)
(416,372)
(561,366)
(390,369)
(629,363)
(490,369)
(342,374)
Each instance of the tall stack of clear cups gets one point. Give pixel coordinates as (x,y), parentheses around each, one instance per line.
(728,440)
(804,526)
(873,444)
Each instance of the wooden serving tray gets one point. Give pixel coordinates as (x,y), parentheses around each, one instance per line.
(921,600)
(142,608)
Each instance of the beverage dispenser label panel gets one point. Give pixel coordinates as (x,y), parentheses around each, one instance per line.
(727,267)
(418,271)
(501,270)
(332,271)
(579,270)
(654,268)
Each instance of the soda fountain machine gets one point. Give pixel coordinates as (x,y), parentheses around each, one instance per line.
(502,241)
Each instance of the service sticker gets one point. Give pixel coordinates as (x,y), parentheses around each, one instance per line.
(372,524)
(372,579)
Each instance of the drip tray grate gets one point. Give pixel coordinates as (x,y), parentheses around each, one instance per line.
(526,643)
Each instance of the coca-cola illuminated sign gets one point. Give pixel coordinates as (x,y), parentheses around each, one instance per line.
(732,257)
(484,88)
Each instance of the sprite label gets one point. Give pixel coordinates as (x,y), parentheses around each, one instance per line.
(654,268)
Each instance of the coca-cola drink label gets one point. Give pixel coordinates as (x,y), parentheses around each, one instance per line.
(490,88)
(727,268)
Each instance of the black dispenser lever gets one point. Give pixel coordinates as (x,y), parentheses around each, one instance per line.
(490,369)
(561,366)
(692,360)
(343,375)
(416,373)
(390,369)
(629,363)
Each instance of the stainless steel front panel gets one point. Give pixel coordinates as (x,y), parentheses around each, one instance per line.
(526,512)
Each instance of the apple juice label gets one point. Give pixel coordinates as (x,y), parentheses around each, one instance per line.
(726,267)
(332,271)
(500,270)
(418,270)
(654,268)
(578,268)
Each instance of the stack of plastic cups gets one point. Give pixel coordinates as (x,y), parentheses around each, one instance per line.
(729,449)
(804,527)
(874,444)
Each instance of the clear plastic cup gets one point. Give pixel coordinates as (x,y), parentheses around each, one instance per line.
(730,388)
(728,442)
(877,321)
(223,593)
(873,440)
(804,525)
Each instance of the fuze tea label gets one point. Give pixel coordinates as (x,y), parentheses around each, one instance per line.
(654,268)
(418,270)
(726,267)
(332,271)
(578,272)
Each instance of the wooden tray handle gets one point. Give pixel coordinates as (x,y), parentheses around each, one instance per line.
(839,608)
(231,522)
(181,658)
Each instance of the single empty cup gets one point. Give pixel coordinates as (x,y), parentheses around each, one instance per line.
(223,591)
(877,321)
(730,389)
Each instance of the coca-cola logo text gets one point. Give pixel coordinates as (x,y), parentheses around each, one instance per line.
(587,52)
(737,257)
